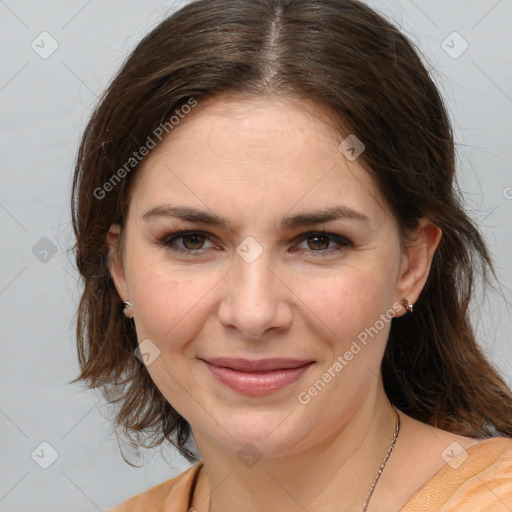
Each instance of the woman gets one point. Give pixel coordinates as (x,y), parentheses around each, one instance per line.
(276,261)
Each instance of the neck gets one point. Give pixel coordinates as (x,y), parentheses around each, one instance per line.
(332,475)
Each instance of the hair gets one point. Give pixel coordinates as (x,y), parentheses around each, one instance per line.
(370,76)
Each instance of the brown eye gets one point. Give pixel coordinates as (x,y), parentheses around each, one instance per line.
(187,242)
(322,243)
(319,243)
(193,242)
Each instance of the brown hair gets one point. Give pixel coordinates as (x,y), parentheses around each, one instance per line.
(339,53)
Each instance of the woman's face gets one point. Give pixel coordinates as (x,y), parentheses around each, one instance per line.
(293,254)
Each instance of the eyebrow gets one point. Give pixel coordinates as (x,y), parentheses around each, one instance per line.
(290,222)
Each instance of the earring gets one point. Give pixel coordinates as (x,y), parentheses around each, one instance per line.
(128,313)
(407,305)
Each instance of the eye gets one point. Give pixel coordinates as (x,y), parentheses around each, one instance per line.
(315,243)
(186,241)
(320,243)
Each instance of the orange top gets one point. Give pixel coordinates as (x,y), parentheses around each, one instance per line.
(477,480)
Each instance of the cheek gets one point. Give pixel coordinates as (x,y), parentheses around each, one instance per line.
(345,302)
(168,301)
(171,312)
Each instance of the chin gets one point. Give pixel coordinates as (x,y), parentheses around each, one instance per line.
(264,437)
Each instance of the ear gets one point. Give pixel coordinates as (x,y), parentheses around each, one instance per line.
(422,243)
(115,263)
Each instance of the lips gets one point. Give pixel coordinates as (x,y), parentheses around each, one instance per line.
(261,365)
(257,378)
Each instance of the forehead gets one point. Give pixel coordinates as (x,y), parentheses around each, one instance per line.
(254,127)
(274,151)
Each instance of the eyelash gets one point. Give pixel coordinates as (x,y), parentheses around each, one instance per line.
(169,242)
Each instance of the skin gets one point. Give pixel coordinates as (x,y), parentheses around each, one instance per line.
(253,161)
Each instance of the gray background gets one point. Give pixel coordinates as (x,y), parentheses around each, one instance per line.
(45,103)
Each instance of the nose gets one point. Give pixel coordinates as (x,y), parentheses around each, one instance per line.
(255,299)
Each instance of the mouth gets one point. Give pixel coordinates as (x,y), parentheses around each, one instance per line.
(260,365)
(257,378)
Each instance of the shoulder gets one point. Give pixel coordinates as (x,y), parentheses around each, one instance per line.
(476,478)
(170,496)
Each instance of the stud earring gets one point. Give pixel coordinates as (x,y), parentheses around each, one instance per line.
(127,310)
(407,305)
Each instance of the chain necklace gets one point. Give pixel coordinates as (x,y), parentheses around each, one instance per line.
(384,462)
(381,469)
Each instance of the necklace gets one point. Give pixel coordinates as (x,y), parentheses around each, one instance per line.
(381,469)
(384,462)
